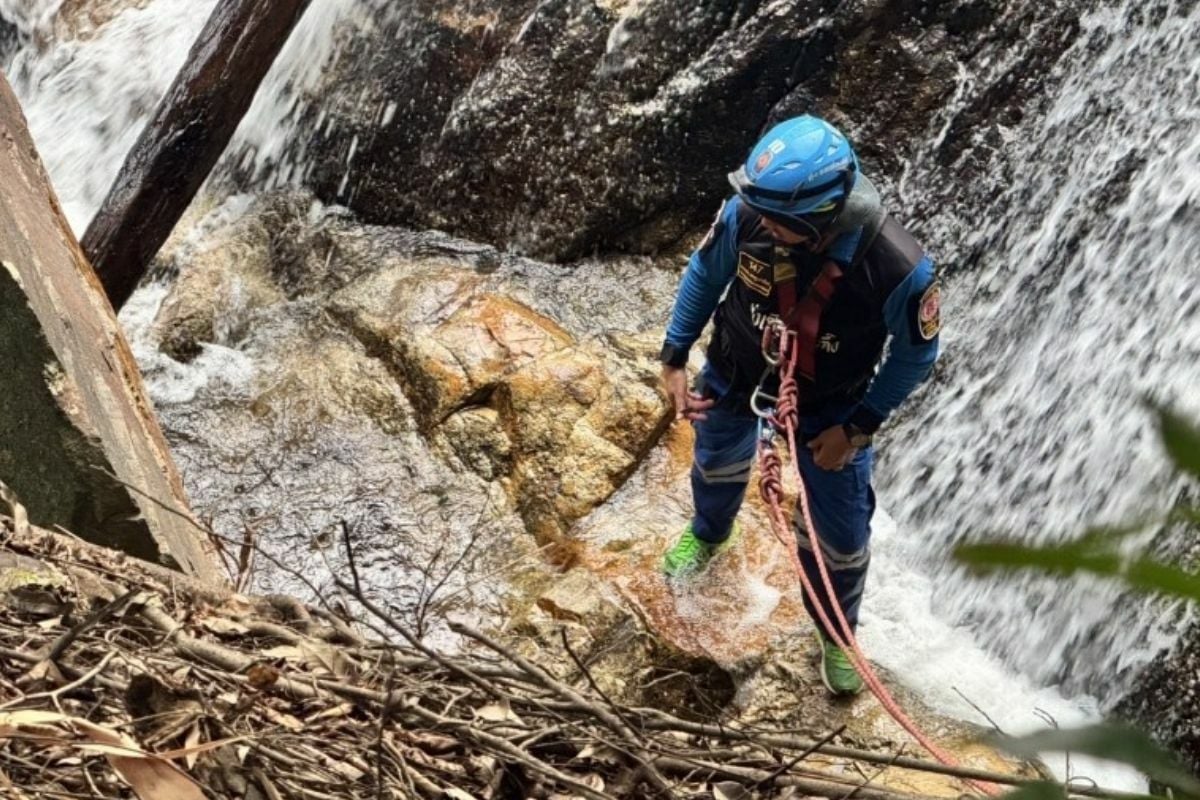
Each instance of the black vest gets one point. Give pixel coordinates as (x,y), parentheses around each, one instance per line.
(852,332)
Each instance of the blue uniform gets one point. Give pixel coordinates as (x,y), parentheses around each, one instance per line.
(887,297)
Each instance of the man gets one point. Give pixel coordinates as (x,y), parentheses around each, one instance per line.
(804,239)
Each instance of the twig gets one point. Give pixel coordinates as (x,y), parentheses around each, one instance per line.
(980,711)
(817,745)
(109,610)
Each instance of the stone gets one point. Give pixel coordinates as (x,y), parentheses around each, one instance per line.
(630,663)
(79,442)
(231,271)
(576,416)
(563,128)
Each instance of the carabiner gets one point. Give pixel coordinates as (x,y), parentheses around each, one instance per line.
(772,342)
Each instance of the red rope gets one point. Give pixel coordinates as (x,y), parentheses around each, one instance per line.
(771,489)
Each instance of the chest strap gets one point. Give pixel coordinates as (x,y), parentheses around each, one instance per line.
(804,317)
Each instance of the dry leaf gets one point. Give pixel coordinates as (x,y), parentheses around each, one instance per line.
(50,624)
(337,712)
(151,777)
(285,651)
(190,742)
(43,673)
(280,718)
(223,627)
(317,656)
(197,749)
(730,790)
(497,712)
(262,676)
(457,794)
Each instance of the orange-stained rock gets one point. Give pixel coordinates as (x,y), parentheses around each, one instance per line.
(572,418)
(76,428)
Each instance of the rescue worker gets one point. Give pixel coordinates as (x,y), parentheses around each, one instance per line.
(805,238)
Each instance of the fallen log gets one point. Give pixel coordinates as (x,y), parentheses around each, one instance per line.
(191,128)
(76,427)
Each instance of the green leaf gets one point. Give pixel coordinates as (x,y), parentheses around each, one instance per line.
(1182,441)
(1111,742)
(1094,554)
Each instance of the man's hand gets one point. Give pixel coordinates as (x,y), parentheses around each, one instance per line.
(688,405)
(831,449)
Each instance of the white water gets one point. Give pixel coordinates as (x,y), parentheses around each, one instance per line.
(1034,423)
(1083,302)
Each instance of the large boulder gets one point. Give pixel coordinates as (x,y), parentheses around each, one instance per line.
(79,442)
(562,421)
(567,127)
(538,379)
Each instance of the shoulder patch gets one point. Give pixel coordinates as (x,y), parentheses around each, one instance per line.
(754,273)
(929,312)
(715,230)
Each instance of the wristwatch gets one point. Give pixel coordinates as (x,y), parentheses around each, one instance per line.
(857,436)
(673,356)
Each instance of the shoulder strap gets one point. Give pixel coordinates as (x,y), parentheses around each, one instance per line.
(804,317)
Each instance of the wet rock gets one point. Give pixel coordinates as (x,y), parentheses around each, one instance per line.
(1165,700)
(568,127)
(575,418)
(228,279)
(79,443)
(630,663)
(10,39)
(529,377)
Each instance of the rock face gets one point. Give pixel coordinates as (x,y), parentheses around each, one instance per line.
(568,127)
(76,429)
(524,374)
(1166,699)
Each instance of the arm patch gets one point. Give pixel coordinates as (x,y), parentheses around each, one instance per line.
(714,231)
(927,314)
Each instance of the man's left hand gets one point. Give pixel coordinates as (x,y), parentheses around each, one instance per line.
(831,449)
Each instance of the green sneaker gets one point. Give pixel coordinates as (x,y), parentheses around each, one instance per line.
(837,672)
(691,555)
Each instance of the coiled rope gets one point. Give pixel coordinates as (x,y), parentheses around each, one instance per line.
(786,418)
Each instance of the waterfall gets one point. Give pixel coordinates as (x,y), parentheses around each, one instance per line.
(1072,301)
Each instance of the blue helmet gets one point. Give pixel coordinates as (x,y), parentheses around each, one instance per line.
(799,175)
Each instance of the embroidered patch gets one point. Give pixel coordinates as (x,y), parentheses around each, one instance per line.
(714,230)
(754,273)
(929,312)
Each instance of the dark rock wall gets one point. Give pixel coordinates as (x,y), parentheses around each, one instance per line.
(567,127)
(9,40)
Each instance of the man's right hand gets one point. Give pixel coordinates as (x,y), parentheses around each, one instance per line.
(688,404)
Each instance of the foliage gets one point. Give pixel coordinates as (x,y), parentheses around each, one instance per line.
(1099,552)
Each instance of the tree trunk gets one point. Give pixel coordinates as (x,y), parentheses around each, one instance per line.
(190,130)
(76,429)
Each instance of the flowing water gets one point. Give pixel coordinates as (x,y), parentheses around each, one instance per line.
(1071,297)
